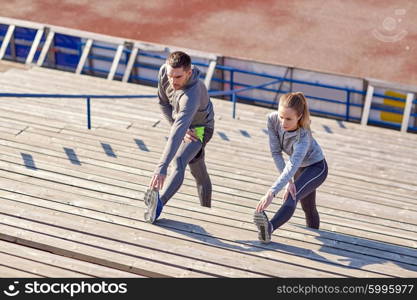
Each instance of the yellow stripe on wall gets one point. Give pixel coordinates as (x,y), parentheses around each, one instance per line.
(391,117)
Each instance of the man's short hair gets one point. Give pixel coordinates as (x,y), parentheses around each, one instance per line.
(179,59)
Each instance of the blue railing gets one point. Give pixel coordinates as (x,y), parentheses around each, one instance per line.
(78,96)
(232,82)
(236,88)
(89,97)
(234,93)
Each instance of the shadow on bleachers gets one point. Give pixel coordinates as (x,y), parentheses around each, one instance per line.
(141,144)
(28,161)
(223,136)
(327,129)
(405,258)
(72,156)
(197,232)
(369,206)
(108,150)
(245,133)
(340,123)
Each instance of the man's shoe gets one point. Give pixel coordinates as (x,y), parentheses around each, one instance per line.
(264,227)
(153,206)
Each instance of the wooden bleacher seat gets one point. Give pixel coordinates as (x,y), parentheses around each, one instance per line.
(73,210)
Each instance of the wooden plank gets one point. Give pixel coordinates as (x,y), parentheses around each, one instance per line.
(73,118)
(249,212)
(43,74)
(97,254)
(125,240)
(266,156)
(12,125)
(239,201)
(7,272)
(255,120)
(37,268)
(9,66)
(69,117)
(235,206)
(70,264)
(93,83)
(239,232)
(177,202)
(8,130)
(263,157)
(264,162)
(149,169)
(410,157)
(213,171)
(96,183)
(213,254)
(151,166)
(190,190)
(267,159)
(38,122)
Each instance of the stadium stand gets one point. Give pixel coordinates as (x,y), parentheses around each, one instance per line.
(71,198)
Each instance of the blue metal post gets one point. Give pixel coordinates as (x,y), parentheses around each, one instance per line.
(347,105)
(234,105)
(88,113)
(232,83)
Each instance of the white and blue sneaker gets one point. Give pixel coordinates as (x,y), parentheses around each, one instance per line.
(154,206)
(264,227)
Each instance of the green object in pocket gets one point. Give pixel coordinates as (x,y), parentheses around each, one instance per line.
(199,132)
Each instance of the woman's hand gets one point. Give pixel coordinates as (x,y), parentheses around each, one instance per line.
(265,201)
(290,190)
(157,182)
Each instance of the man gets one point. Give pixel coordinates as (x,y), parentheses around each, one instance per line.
(186,105)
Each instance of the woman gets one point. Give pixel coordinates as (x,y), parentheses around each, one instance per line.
(306,169)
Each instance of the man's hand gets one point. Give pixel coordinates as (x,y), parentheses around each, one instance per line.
(291,189)
(265,201)
(190,136)
(157,182)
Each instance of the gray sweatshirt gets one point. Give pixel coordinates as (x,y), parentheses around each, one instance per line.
(299,145)
(186,108)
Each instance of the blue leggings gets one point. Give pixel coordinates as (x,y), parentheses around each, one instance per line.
(307,180)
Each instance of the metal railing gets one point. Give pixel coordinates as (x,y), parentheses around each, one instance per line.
(237,88)
(79,96)
(234,97)
(88,98)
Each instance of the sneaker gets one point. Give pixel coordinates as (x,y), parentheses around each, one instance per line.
(153,206)
(264,227)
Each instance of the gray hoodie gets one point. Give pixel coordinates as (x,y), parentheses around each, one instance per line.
(299,145)
(185,108)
